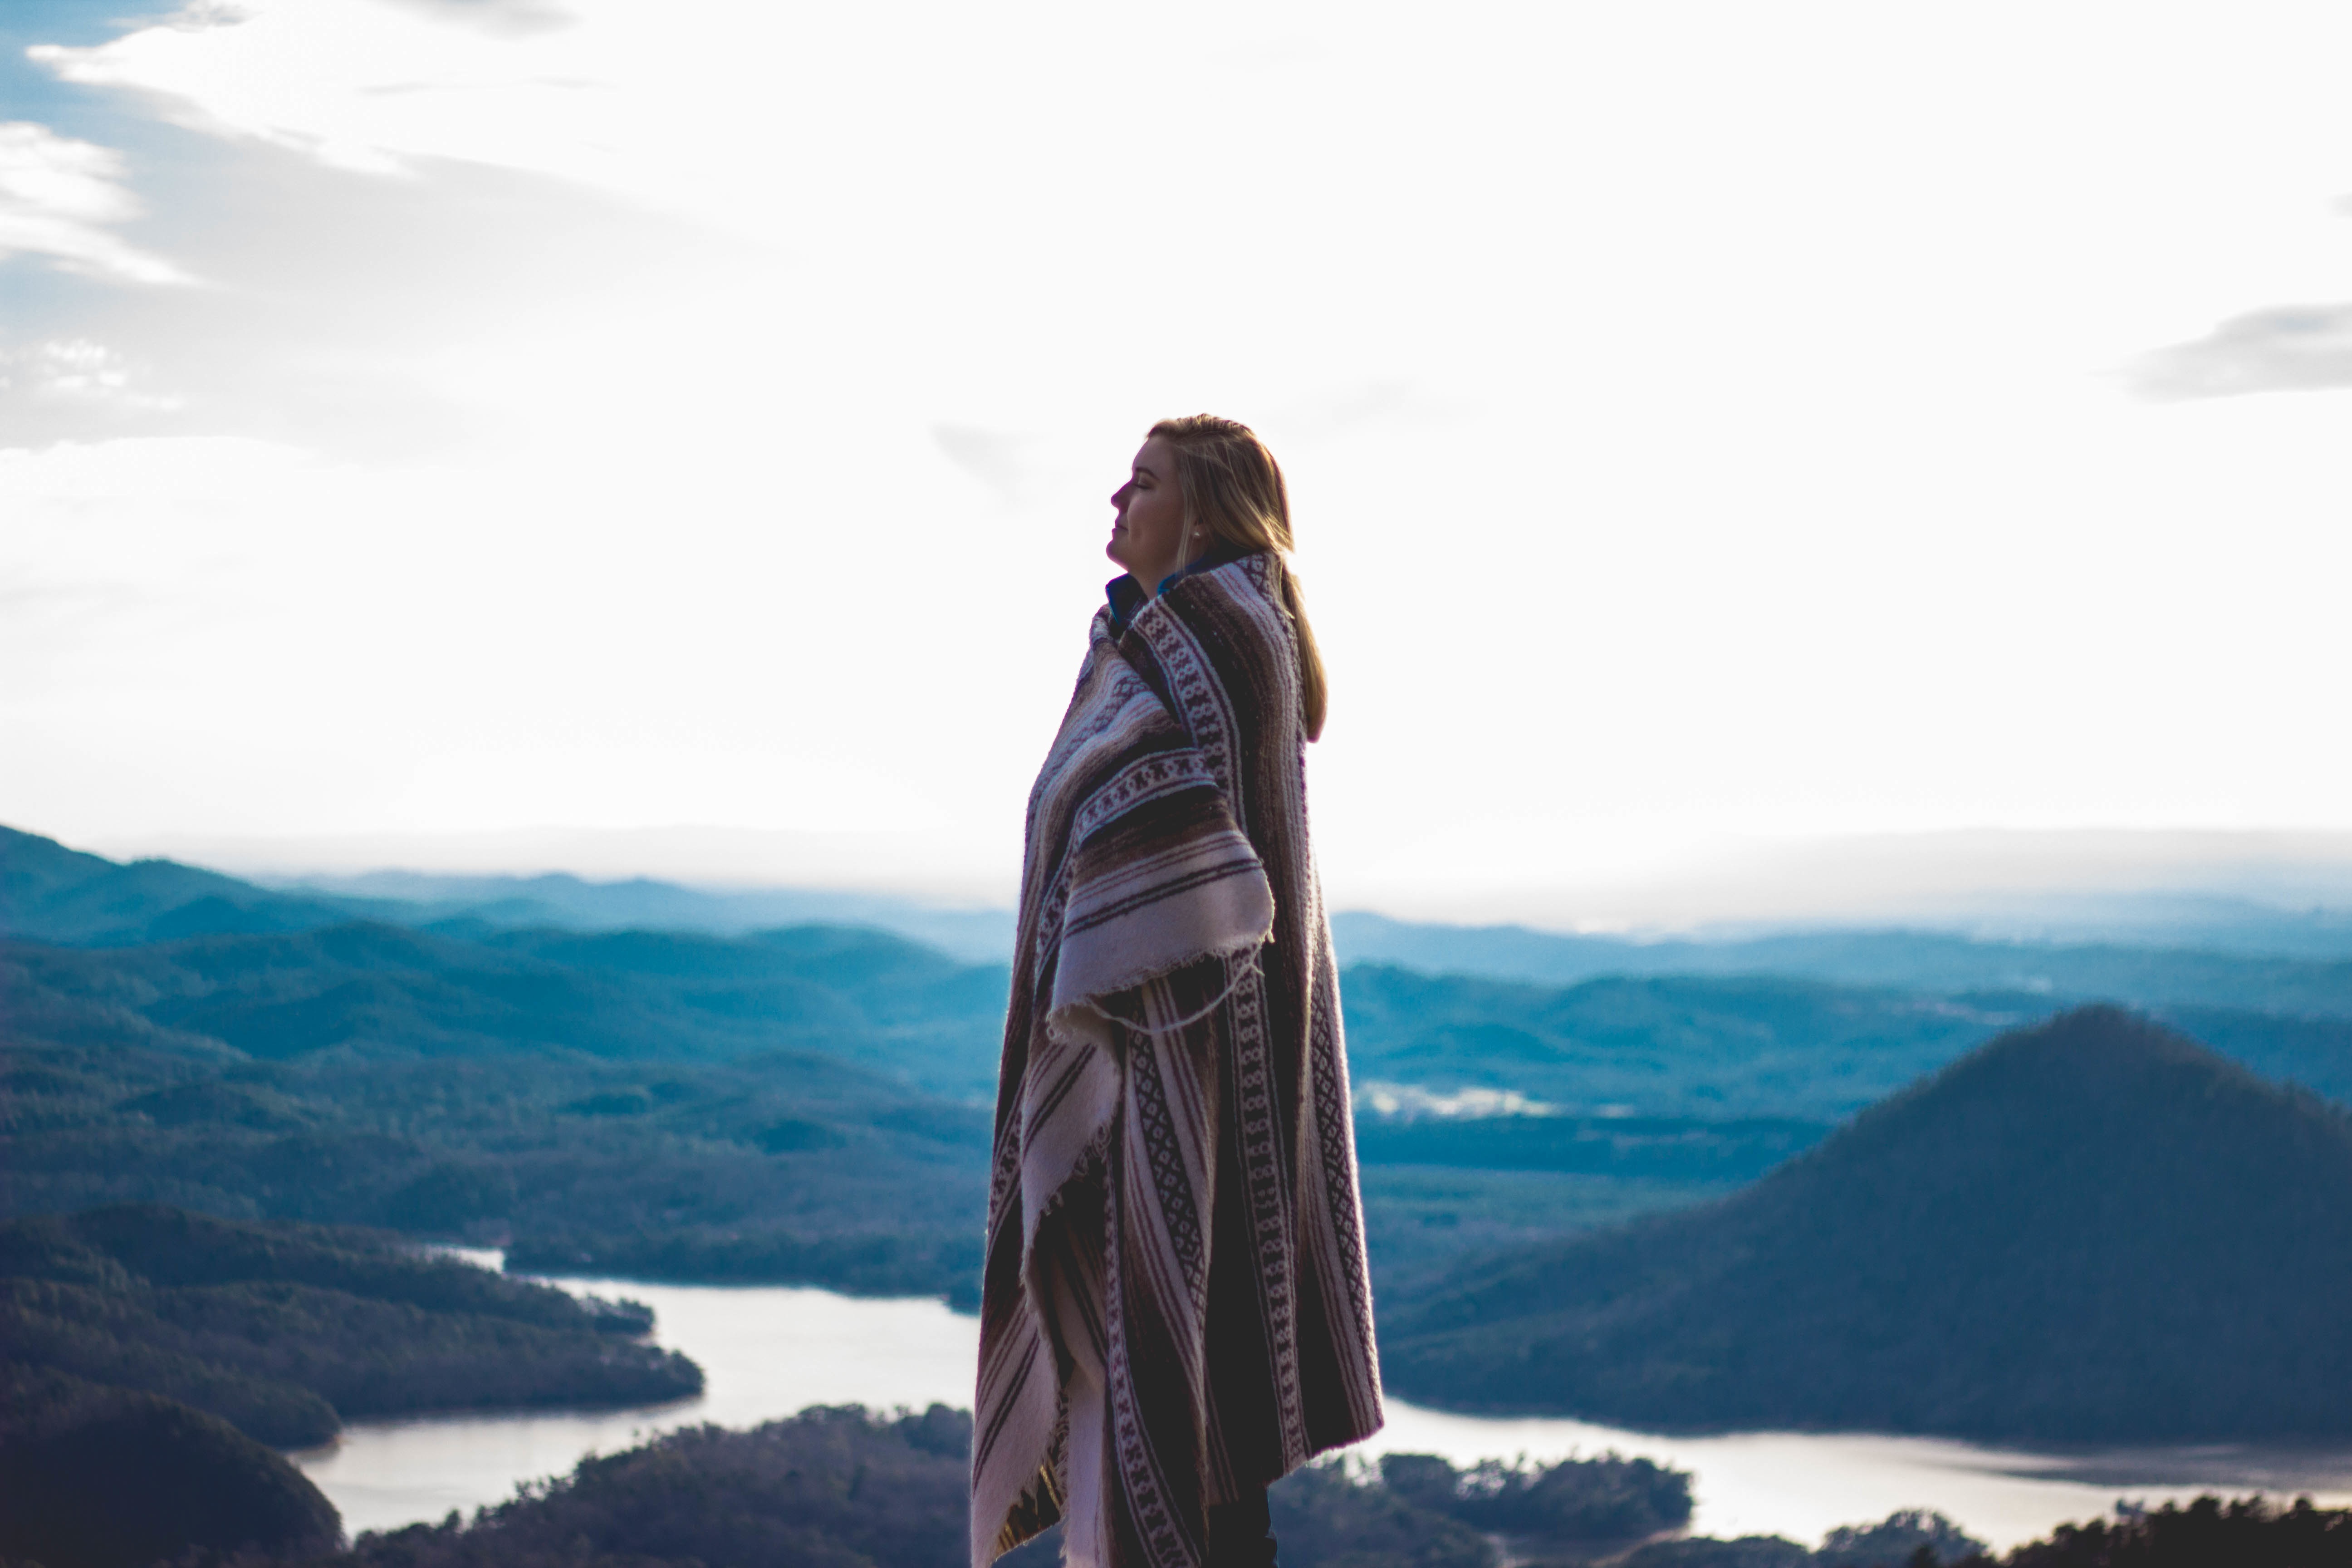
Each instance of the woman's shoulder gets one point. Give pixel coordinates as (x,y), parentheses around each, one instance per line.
(1246,578)
(1243,596)
(1235,630)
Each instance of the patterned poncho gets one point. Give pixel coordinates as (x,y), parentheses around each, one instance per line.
(1176,1310)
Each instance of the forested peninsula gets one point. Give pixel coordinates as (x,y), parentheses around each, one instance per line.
(286,1330)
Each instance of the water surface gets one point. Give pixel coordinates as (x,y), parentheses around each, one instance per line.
(768,1352)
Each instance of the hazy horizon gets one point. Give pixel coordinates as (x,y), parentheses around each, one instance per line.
(2002,881)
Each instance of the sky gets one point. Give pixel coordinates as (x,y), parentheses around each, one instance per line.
(618,435)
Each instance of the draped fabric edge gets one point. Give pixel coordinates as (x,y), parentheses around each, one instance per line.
(1202,895)
(1227,913)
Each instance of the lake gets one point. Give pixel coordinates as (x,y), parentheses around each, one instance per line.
(768,1352)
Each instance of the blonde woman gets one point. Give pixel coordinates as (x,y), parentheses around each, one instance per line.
(1176,1310)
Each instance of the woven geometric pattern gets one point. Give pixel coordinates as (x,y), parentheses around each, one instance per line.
(1176,1309)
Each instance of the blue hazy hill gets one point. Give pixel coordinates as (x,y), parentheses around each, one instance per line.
(1704,1046)
(2145,952)
(2303,975)
(50,893)
(377,989)
(562,902)
(2092,1230)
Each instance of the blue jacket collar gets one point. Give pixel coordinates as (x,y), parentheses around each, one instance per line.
(1126,595)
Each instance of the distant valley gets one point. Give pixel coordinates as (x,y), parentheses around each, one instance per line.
(810,1103)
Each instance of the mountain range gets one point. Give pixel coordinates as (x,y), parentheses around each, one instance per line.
(54,894)
(2179,953)
(810,1102)
(2308,972)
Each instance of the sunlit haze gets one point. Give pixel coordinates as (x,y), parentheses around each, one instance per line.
(677,437)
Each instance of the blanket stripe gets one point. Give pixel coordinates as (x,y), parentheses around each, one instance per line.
(1175,1308)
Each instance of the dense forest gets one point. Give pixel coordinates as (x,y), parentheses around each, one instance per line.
(285,1331)
(576,1162)
(844,1487)
(2092,1230)
(1716,1049)
(860,996)
(841,1488)
(97,1476)
(2209,1532)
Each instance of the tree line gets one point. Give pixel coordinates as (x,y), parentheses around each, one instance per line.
(285,1331)
(846,1488)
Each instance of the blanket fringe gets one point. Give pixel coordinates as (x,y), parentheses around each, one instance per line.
(1246,969)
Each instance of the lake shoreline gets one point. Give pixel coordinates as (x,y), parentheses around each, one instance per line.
(768,1352)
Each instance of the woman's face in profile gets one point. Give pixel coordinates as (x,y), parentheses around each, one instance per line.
(1147,536)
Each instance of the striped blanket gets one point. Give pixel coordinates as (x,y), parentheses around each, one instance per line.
(1175,1309)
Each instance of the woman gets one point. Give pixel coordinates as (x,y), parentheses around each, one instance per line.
(1176,1310)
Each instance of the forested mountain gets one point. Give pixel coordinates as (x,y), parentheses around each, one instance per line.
(384,990)
(1705,1047)
(2235,956)
(51,893)
(787,1166)
(799,1105)
(559,901)
(94,1477)
(147,1355)
(2308,973)
(285,1332)
(2090,1230)
(1739,1047)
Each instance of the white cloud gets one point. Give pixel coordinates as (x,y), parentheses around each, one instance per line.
(77,371)
(372,87)
(997,459)
(2286,348)
(61,199)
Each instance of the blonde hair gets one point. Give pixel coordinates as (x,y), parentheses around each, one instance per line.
(1232,488)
